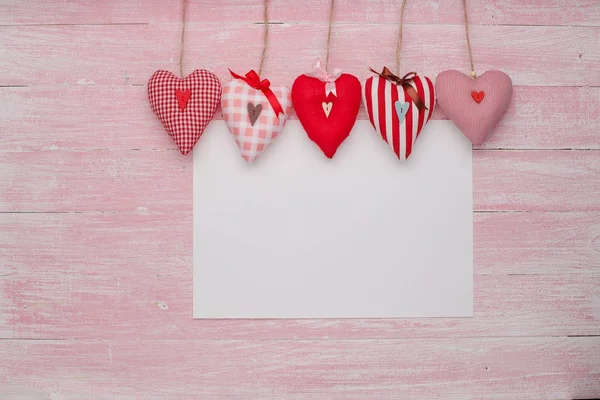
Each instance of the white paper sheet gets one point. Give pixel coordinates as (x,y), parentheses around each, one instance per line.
(364,235)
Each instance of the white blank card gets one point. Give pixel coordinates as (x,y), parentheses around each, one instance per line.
(364,235)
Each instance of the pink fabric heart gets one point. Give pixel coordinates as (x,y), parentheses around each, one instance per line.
(475,119)
(251,137)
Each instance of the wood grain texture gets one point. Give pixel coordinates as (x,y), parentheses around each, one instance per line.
(536,243)
(495,12)
(89,301)
(494,368)
(161,181)
(96,210)
(117,117)
(74,276)
(129,54)
(536,180)
(532,243)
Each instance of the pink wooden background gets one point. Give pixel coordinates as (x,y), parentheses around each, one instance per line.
(96,207)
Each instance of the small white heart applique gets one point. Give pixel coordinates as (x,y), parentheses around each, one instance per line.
(327,108)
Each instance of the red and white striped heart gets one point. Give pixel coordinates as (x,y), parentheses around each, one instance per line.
(475,105)
(393,112)
(184,106)
(254,112)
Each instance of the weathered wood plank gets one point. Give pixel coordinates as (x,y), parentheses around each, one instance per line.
(536,180)
(504,243)
(161,181)
(74,276)
(126,276)
(55,181)
(98,302)
(78,117)
(511,12)
(536,243)
(106,54)
(494,368)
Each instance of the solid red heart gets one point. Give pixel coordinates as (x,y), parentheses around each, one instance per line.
(329,119)
(182,97)
(477,96)
(184,106)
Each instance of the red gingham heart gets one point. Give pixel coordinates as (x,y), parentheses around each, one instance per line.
(184,106)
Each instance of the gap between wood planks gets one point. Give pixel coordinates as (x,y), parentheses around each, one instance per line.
(93,149)
(86,24)
(39,339)
(44,85)
(295,340)
(186,212)
(298,23)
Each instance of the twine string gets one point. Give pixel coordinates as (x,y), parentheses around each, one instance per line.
(329,33)
(265,38)
(182,39)
(472,73)
(399,44)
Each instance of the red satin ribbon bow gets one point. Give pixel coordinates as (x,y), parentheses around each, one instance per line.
(253,80)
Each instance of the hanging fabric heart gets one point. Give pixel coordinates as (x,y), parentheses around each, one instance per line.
(254,112)
(184,106)
(474,103)
(327,106)
(399,108)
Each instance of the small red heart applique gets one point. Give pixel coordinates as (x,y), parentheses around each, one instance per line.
(182,97)
(477,96)
(184,106)
(327,117)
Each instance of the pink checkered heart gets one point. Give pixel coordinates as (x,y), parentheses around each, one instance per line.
(184,106)
(474,105)
(251,118)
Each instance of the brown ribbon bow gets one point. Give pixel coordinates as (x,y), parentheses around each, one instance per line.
(405,83)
